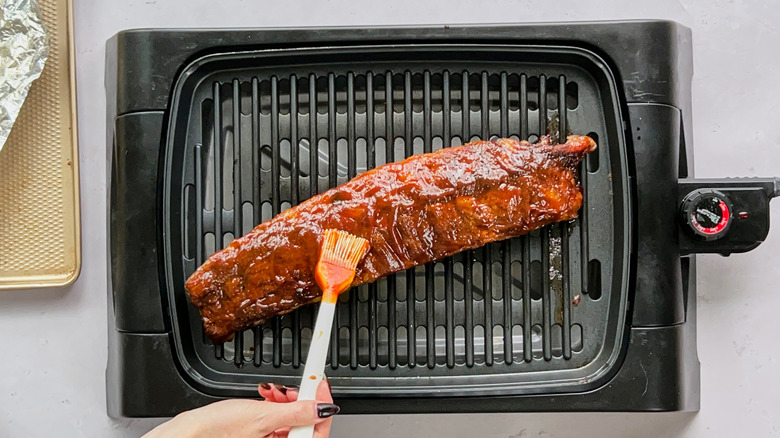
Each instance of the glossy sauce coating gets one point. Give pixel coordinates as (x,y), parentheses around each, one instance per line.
(425,208)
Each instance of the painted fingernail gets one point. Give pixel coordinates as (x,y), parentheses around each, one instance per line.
(325,410)
(265,385)
(281,388)
(291,387)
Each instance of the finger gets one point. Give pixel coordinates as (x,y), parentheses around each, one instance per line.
(281,433)
(278,393)
(299,413)
(323,392)
(279,396)
(322,430)
(282,393)
(266,391)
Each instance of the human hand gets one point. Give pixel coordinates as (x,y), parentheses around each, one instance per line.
(284,394)
(272,418)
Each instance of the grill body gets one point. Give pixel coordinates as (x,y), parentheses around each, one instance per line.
(242,125)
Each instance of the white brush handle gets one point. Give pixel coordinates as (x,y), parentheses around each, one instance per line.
(314,371)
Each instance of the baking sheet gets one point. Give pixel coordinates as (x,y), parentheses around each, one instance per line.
(40,242)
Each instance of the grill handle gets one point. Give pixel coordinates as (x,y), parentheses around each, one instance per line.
(724,216)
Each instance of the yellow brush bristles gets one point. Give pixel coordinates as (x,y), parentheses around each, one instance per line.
(343,249)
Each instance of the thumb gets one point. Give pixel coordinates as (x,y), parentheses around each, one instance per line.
(299,413)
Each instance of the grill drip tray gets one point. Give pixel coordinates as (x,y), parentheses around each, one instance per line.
(253,133)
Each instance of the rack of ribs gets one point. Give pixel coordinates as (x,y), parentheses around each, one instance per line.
(412,212)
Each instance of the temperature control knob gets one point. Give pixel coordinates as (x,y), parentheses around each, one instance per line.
(707,213)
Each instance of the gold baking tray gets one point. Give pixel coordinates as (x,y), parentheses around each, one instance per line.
(40,242)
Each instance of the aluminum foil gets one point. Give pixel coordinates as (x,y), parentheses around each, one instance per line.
(24,47)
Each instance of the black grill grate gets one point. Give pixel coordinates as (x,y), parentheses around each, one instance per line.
(260,140)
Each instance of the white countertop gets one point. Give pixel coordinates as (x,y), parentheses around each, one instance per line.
(54,341)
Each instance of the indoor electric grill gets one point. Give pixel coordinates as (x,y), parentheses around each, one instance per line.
(212,132)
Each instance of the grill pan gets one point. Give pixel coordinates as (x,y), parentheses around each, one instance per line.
(244,145)
(598,314)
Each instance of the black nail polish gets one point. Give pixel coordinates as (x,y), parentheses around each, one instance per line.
(265,385)
(325,410)
(292,387)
